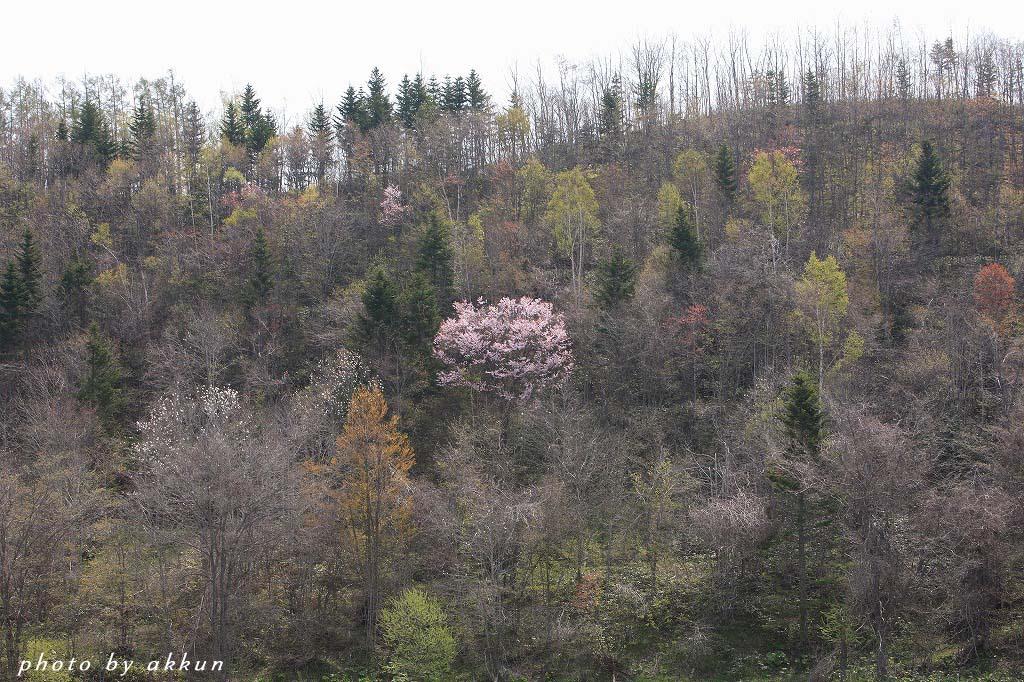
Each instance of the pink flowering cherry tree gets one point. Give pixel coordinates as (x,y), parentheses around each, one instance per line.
(511,349)
(392,210)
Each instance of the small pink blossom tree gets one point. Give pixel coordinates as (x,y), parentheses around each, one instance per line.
(511,349)
(392,211)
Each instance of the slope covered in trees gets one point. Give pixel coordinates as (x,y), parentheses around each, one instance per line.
(705,368)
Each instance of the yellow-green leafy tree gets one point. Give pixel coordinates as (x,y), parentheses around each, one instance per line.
(572,215)
(776,194)
(690,174)
(822,302)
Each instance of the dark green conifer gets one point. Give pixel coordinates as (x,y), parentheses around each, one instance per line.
(261,274)
(616,280)
(725,173)
(434,256)
(929,192)
(475,93)
(28,271)
(232,128)
(683,238)
(102,385)
(378,320)
(11,302)
(141,128)
(378,104)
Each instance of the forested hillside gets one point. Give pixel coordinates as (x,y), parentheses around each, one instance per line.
(700,363)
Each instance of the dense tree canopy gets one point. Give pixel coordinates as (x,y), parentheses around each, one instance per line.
(700,363)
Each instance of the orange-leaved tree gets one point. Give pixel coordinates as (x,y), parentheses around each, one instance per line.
(994,292)
(374,458)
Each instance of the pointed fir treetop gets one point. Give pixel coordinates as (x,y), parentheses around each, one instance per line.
(232,129)
(28,271)
(725,172)
(615,280)
(320,124)
(261,279)
(802,415)
(683,238)
(930,184)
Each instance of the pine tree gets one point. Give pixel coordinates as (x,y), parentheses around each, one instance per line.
(812,94)
(683,238)
(616,280)
(258,127)
(90,130)
(475,93)
(929,191)
(378,104)
(102,385)
(725,173)
(194,134)
(988,75)
(434,257)
(11,302)
(419,88)
(611,109)
(454,94)
(261,277)
(28,273)
(352,110)
(321,136)
(74,284)
(434,92)
(420,312)
(902,80)
(62,134)
(378,320)
(141,128)
(804,423)
(802,415)
(406,101)
(232,128)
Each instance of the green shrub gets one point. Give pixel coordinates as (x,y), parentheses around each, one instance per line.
(420,645)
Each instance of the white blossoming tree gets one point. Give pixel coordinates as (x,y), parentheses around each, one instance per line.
(215,482)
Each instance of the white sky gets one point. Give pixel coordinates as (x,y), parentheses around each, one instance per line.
(298,52)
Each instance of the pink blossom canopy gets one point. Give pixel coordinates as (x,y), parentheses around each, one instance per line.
(512,349)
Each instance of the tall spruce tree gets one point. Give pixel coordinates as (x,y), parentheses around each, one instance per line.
(475,93)
(321,137)
(804,423)
(261,269)
(929,192)
(615,280)
(232,128)
(725,173)
(141,128)
(102,386)
(434,256)
(11,303)
(611,109)
(812,94)
(90,130)
(378,104)
(379,319)
(406,102)
(420,312)
(352,111)
(683,238)
(28,271)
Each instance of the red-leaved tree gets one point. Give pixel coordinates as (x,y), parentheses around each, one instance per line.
(994,290)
